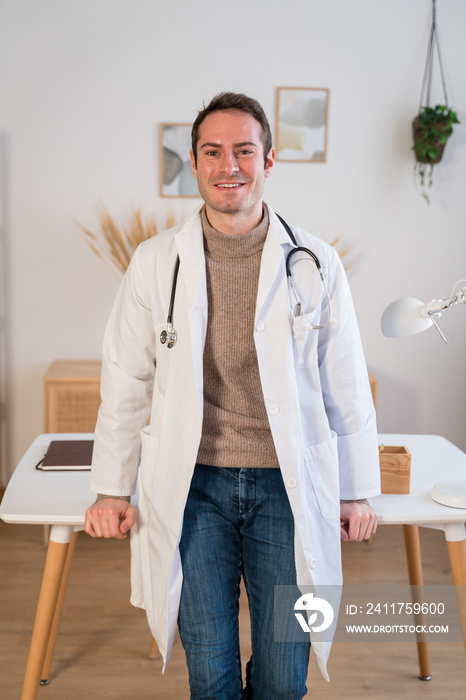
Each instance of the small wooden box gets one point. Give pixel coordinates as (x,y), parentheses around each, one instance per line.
(395,469)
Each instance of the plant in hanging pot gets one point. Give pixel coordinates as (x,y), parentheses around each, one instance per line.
(432,128)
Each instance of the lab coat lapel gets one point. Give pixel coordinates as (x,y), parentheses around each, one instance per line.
(190,246)
(276,246)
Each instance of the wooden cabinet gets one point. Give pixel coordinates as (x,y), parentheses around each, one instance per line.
(71,396)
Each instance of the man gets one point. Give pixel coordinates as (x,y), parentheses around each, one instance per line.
(261,419)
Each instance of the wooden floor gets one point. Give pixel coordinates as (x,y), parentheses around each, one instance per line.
(103,642)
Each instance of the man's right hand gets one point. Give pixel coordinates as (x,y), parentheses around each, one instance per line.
(110,517)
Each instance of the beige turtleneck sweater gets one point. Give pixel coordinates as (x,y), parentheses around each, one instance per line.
(235,431)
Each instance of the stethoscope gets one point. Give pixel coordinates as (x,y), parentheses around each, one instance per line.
(169,336)
(298,308)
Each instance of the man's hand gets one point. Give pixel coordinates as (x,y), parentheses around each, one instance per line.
(110,517)
(358,521)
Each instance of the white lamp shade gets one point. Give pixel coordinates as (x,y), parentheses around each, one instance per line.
(405,317)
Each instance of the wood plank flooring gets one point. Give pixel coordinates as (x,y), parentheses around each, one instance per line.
(103,642)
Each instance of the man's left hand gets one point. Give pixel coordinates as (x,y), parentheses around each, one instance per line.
(358,521)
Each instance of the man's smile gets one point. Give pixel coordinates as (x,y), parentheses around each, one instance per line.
(230,185)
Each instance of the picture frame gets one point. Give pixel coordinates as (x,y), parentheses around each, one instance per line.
(301,124)
(176,175)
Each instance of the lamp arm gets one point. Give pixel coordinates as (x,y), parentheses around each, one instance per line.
(433,309)
(436,306)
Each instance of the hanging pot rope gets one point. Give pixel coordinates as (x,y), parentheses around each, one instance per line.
(433,125)
(428,70)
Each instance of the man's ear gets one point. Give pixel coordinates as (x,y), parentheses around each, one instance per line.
(193,163)
(270,160)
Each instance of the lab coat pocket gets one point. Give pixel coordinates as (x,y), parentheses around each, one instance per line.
(149,452)
(322,468)
(305,338)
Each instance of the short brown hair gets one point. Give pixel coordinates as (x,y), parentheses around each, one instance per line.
(241,103)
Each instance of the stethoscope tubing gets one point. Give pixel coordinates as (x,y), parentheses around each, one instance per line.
(169,334)
(296,249)
(172,296)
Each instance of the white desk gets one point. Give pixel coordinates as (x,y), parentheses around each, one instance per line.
(433,459)
(60,499)
(37,497)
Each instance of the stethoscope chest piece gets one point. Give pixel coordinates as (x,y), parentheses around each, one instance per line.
(169,336)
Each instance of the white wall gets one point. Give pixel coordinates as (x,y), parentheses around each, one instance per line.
(84,86)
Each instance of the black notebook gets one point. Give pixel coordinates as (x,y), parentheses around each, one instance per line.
(67,455)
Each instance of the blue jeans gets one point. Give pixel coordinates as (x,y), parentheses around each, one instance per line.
(238,522)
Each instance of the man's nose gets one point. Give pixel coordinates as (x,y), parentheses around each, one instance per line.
(229,163)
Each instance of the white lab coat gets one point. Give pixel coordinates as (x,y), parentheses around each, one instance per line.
(315,388)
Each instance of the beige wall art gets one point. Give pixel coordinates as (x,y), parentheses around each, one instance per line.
(301,124)
(176,177)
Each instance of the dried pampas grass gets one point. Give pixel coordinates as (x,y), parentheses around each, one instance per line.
(344,251)
(117,243)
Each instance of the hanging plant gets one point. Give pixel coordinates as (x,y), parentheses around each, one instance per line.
(433,126)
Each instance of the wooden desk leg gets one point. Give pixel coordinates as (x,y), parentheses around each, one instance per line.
(457,554)
(51,579)
(413,555)
(44,677)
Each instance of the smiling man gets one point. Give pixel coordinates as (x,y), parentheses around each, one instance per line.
(261,447)
(230,165)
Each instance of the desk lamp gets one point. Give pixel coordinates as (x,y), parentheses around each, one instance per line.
(409,316)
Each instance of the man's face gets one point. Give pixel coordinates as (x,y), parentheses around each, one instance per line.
(230,167)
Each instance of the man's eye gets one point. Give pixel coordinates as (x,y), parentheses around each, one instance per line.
(245,152)
(211,153)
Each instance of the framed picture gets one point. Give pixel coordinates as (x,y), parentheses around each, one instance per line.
(176,175)
(301,124)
